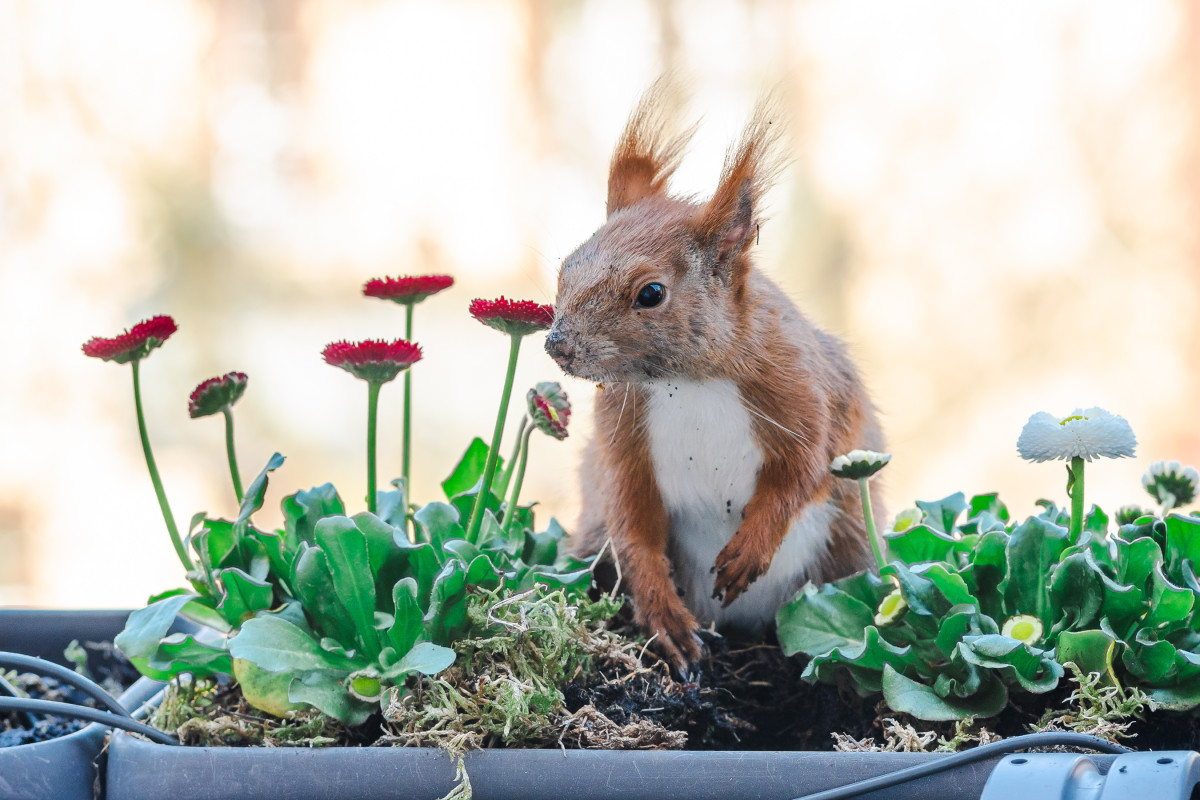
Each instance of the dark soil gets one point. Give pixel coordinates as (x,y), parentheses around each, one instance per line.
(748,695)
(106,666)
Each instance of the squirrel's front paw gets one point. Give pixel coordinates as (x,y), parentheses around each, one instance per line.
(680,646)
(736,569)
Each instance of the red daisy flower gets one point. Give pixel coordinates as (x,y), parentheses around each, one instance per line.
(514,317)
(549,409)
(407,289)
(135,343)
(371,360)
(215,394)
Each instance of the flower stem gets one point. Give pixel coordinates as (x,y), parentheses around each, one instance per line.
(1076,492)
(506,474)
(511,510)
(869,519)
(168,517)
(408,332)
(372,406)
(229,451)
(489,467)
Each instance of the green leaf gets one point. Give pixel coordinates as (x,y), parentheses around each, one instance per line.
(446,618)
(579,580)
(392,507)
(910,697)
(324,691)
(1182,544)
(949,584)
(439,523)
(482,572)
(1031,667)
(1149,660)
(275,644)
(215,542)
(540,547)
(941,514)
(407,624)
(987,569)
(1096,521)
(1077,592)
(180,653)
(987,503)
(1168,603)
(381,537)
(147,626)
(820,618)
(922,543)
(243,596)
(349,564)
(253,499)
(462,549)
(303,510)
(281,563)
(1033,549)
(426,658)
(468,471)
(862,660)
(1183,697)
(314,588)
(1092,651)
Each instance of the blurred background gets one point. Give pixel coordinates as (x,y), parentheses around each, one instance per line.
(995,203)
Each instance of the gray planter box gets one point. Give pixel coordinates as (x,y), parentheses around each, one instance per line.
(63,768)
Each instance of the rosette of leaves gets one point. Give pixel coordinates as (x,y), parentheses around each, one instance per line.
(1122,605)
(940,654)
(1129,607)
(333,611)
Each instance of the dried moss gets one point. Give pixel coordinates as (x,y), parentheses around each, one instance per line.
(506,688)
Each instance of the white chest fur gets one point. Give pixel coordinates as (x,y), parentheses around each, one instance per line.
(706,462)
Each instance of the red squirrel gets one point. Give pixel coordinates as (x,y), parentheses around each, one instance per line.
(720,405)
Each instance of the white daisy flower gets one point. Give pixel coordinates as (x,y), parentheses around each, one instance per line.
(1024,628)
(1171,483)
(908,518)
(890,608)
(859,464)
(1087,434)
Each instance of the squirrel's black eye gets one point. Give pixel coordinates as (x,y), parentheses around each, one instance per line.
(651,295)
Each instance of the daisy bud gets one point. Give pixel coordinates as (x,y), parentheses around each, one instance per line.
(549,409)
(1171,483)
(215,394)
(859,464)
(1129,514)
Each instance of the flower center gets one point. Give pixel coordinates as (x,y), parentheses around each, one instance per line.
(1023,631)
(1072,419)
(890,604)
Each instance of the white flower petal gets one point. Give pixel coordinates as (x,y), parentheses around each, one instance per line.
(1086,434)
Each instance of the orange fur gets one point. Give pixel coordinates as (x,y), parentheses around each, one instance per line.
(721,321)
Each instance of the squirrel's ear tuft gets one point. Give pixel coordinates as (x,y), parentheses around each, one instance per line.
(646,154)
(728,222)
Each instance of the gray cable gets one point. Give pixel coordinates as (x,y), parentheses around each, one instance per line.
(83,712)
(60,673)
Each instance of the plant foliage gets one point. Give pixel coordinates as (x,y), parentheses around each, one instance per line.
(1122,604)
(333,610)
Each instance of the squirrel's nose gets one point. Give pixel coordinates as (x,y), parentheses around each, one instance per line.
(559,348)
